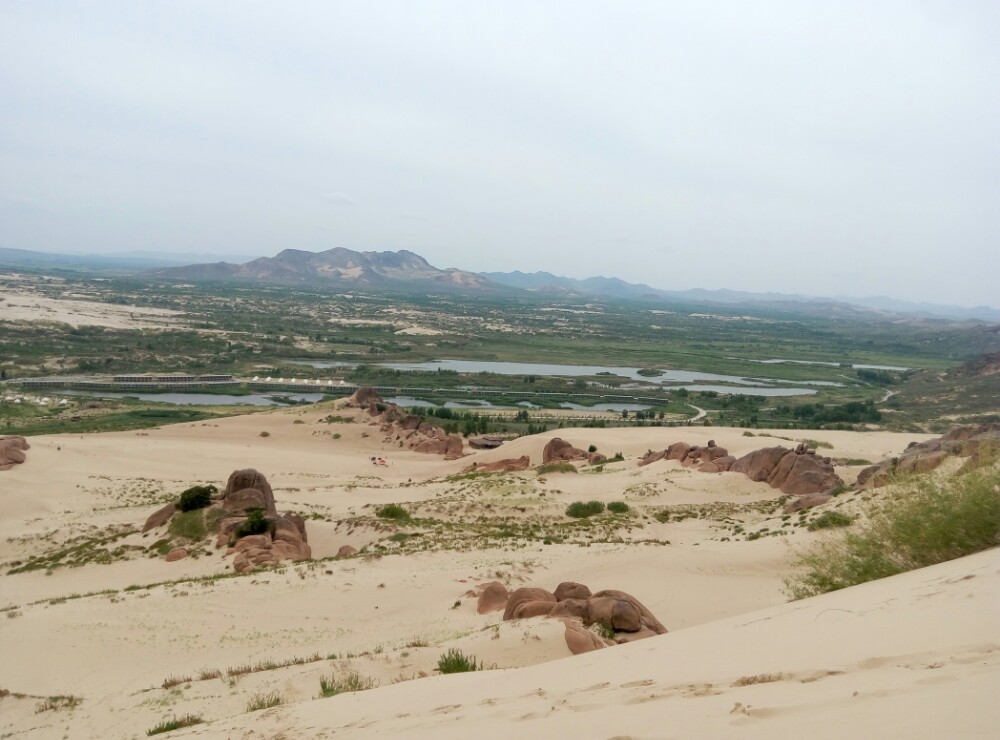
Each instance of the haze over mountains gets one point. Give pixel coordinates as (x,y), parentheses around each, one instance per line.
(406,271)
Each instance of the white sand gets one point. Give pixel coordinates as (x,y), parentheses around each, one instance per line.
(28,305)
(395,615)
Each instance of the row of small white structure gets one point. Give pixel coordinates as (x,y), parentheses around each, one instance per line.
(44,401)
(304,381)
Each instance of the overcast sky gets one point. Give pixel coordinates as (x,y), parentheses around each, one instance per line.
(811,147)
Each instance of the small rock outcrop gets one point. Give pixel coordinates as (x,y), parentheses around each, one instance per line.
(559,450)
(492,598)
(508,465)
(12,450)
(619,613)
(921,457)
(485,443)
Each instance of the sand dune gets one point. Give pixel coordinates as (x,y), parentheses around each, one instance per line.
(139,640)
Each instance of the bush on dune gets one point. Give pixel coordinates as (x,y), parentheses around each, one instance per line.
(925,521)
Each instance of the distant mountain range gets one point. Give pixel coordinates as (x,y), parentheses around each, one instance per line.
(338,266)
(406,271)
(546,282)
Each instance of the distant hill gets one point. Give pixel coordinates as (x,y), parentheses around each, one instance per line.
(121,261)
(339,266)
(546,282)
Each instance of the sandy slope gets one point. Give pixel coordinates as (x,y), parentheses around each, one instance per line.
(916,656)
(112,633)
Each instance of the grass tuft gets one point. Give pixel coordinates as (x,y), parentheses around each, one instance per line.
(618,507)
(353,681)
(393,511)
(829,520)
(264,701)
(175,724)
(455,661)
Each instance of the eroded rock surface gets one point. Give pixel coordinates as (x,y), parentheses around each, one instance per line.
(12,449)
(920,457)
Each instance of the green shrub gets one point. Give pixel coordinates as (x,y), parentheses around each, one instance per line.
(618,507)
(559,467)
(455,661)
(830,519)
(393,511)
(175,724)
(924,522)
(352,681)
(255,523)
(189,524)
(592,448)
(196,497)
(581,510)
(662,516)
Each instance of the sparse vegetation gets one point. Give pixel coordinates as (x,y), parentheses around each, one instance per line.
(922,522)
(196,497)
(189,525)
(353,681)
(559,467)
(829,520)
(394,512)
(455,661)
(175,724)
(255,523)
(759,678)
(264,701)
(582,509)
(55,703)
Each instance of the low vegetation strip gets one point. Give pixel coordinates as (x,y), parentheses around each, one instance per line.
(924,522)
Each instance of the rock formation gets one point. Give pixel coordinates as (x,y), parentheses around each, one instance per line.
(619,613)
(559,450)
(507,465)
(708,459)
(397,425)
(921,457)
(12,451)
(799,472)
(247,500)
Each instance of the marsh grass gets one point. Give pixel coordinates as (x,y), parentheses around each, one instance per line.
(925,521)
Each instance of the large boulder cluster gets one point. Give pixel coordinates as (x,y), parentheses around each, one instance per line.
(12,451)
(415,433)
(798,472)
(708,459)
(921,457)
(247,498)
(622,616)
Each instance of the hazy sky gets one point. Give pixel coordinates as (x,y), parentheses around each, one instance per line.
(811,147)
